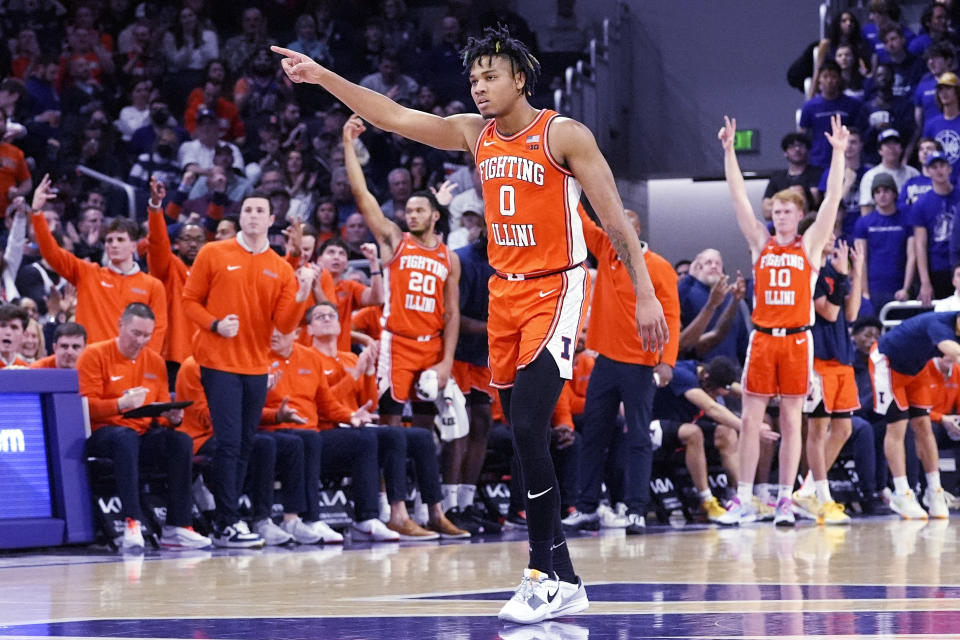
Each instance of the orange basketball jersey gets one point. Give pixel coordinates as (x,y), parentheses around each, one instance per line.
(415,278)
(783,286)
(531,202)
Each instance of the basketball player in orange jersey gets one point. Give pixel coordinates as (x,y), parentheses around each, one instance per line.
(780,354)
(534,166)
(421,313)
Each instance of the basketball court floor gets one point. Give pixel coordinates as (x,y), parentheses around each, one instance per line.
(878,578)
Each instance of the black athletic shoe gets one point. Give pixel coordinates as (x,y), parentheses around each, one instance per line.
(875,505)
(516,520)
(637,525)
(464,522)
(486,525)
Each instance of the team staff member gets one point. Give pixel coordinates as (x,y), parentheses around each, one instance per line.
(421,314)
(348,294)
(462,459)
(623,373)
(13,321)
(172,270)
(352,380)
(121,374)
(103,292)
(833,397)
(780,352)
(901,388)
(534,234)
(69,341)
(237,291)
(294,407)
(267,454)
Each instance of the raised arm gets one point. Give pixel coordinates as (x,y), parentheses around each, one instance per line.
(386,231)
(575,147)
(62,261)
(816,237)
(457,132)
(159,253)
(753,230)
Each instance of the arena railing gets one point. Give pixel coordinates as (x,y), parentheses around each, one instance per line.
(114,182)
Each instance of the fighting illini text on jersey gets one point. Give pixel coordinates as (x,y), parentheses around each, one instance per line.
(783,289)
(415,278)
(524,187)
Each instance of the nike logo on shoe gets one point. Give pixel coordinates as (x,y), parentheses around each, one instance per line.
(532,496)
(552,596)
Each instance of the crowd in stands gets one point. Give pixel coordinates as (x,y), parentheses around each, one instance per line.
(187,104)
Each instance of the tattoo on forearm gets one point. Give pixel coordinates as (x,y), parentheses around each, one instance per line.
(619,242)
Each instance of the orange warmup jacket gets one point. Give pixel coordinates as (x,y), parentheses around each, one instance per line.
(105,374)
(102,292)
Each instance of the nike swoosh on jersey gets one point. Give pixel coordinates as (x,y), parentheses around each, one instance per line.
(487,143)
(115,378)
(233,267)
(531,496)
(801,340)
(106,284)
(544,294)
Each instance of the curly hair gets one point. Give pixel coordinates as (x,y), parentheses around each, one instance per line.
(497,42)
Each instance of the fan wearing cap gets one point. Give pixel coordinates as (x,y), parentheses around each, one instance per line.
(883,236)
(945,128)
(890,148)
(932,216)
(206,138)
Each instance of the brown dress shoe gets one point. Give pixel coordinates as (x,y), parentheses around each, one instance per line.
(448,530)
(410,530)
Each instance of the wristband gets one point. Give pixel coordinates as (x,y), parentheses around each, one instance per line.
(214,326)
(154,206)
(376,273)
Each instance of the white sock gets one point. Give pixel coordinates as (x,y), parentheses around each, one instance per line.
(450,495)
(704,495)
(762,491)
(823,490)
(745,493)
(933,481)
(807,488)
(465,495)
(900,485)
(784,491)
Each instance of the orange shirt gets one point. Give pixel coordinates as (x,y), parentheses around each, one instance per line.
(172,272)
(348,294)
(13,171)
(18,363)
(783,286)
(102,292)
(562,413)
(612,330)
(531,202)
(196,418)
(946,391)
(260,288)
(105,374)
(414,279)
(303,382)
(367,320)
(582,368)
(352,393)
(50,362)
